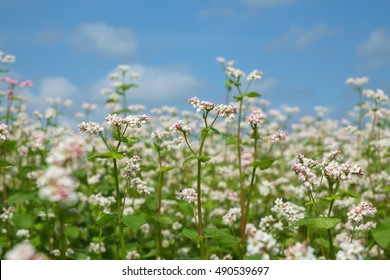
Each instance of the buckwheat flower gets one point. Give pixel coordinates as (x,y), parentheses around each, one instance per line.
(299,251)
(261,243)
(236,73)
(232,216)
(351,250)
(356,214)
(291,212)
(9,58)
(305,175)
(357,81)
(132,167)
(327,158)
(145,228)
(140,185)
(278,136)
(104,202)
(180,126)
(114,120)
(38,115)
(226,111)
(133,255)
(134,75)
(194,101)
(378,96)
(135,121)
(266,223)
(255,75)
(4,130)
(50,113)
(7,214)
(21,251)
(114,76)
(177,225)
(23,233)
(257,116)
(189,195)
(68,103)
(123,68)
(97,248)
(26,83)
(220,59)
(91,128)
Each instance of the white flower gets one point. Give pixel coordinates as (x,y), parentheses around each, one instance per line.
(190,195)
(255,75)
(4,130)
(232,216)
(21,251)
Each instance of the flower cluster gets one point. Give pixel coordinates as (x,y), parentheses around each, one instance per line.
(378,96)
(291,212)
(278,136)
(7,58)
(133,121)
(180,126)
(234,72)
(141,186)
(91,128)
(357,82)
(300,251)
(255,75)
(226,111)
(97,248)
(261,243)
(257,116)
(190,195)
(4,130)
(338,171)
(132,167)
(302,167)
(232,215)
(105,202)
(356,214)
(7,214)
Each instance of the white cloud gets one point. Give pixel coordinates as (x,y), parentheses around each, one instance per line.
(48,37)
(264,4)
(105,40)
(376,48)
(300,39)
(51,87)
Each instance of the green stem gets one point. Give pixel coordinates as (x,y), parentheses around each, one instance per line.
(241,175)
(245,215)
(62,236)
(331,248)
(119,211)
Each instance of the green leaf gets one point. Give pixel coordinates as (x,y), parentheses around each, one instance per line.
(319,223)
(216,131)
(204,158)
(165,220)
(135,221)
(4,163)
(72,232)
(263,164)
(340,195)
(381,233)
(249,95)
(21,197)
(191,234)
(221,234)
(230,139)
(112,155)
(187,160)
(125,87)
(23,220)
(106,218)
(165,169)
(126,139)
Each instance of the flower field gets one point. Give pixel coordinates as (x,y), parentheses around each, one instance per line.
(238,180)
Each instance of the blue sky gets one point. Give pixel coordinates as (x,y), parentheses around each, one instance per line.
(306,48)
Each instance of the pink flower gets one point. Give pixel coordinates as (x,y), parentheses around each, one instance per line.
(10,94)
(9,80)
(26,83)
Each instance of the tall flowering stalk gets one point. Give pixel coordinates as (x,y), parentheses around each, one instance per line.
(234,79)
(334,172)
(206,107)
(120,126)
